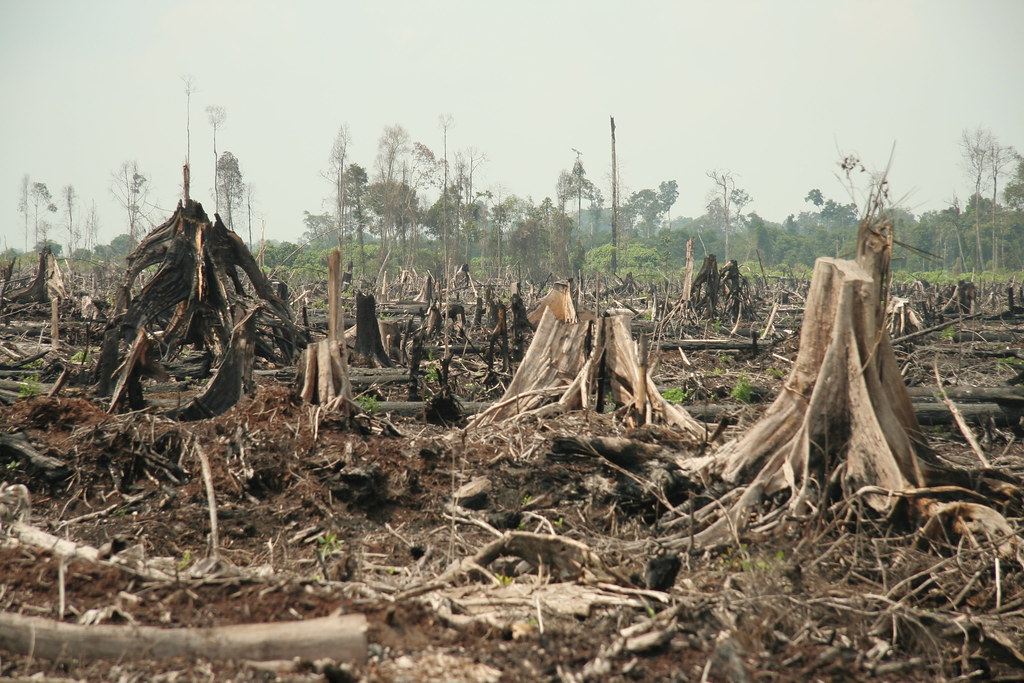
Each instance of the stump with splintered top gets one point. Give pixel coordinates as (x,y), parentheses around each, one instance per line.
(569,363)
(323,368)
(843,426)
(207,291)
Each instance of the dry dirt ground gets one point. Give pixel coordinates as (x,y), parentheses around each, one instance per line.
(316,516)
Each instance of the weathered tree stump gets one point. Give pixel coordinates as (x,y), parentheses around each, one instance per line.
(844,424)
(46,285)
(322,376)
(204,276)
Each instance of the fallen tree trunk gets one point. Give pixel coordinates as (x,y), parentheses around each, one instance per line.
(339,637)
(929,414)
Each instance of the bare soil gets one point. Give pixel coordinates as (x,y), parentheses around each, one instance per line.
(318,515)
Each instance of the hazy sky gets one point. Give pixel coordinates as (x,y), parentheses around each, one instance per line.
(774,91)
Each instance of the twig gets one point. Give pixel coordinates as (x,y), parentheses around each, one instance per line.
(204,463)
(960,422)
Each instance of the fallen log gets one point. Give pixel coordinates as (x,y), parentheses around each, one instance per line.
(929,414)
(1010,395)
(17,446)
(339,637)
(748,345)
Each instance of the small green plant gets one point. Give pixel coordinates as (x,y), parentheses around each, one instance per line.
(777,373)
(37,363)
(370,404)
(13,465)
(505,580)
(329,542)
(81,357)
(30,387)
(676,395)
(948,334)
(434,374)
(742,392)
(527,499)
(185,561)
(560,523)
(718,371)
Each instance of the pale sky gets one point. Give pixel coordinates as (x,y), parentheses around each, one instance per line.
(773,91)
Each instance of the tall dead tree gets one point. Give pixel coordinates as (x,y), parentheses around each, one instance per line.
(843,426)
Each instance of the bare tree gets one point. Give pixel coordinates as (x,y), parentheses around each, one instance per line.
(976,148)
(69,196)
(339,153)
(130,188)
(392,147)
(23,194)
(190,87)
(615,203)
(445,121)
(216,116)
(231,187)
(999,157)
(722,196)
(41,198)
(92,227)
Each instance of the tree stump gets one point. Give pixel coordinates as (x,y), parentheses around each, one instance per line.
(192,298)
(46,285)
(843,424)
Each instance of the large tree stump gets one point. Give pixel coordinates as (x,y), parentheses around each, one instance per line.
(205,272)
(369,344)
(322,377)
(46,285)
(573,362)
(844,424)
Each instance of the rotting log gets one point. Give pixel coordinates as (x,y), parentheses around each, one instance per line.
(17,445)
(339,637)
(843,424)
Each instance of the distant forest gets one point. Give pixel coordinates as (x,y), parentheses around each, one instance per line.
(414,210)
